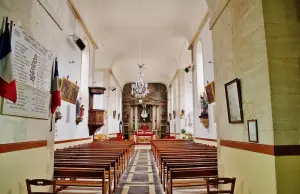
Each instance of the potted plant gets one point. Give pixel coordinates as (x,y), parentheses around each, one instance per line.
(189,136)
(183,133)
(204,119)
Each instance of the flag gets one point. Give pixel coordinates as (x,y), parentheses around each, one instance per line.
(8,87)
(55,92)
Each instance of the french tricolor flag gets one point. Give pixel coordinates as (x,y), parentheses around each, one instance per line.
(8,87)
(55,92)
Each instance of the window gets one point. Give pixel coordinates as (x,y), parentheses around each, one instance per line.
(199,67)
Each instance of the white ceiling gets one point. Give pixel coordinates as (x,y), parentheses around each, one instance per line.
(163,28)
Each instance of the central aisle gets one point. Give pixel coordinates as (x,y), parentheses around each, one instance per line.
(141,176)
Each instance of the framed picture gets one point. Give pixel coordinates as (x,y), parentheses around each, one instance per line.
(252,131)
(234,102)
(210,92)
(68,91)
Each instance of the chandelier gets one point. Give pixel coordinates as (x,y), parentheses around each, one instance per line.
(139,89)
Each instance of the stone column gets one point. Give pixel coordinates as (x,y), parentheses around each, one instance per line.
(282,29)
(153,117)
(136,117)
(158,117)
(131,117)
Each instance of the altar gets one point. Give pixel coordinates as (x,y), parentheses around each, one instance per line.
(145,119)
(144,135)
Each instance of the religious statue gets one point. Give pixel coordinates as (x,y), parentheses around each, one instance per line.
(204,112)
(204,104)
(81,113)
(182,114)
(78,106)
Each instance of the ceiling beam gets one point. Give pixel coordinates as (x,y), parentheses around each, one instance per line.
(200,28)
(77,15)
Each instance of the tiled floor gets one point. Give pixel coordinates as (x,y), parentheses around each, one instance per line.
(141,176)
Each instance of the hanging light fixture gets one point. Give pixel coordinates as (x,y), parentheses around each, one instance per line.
(139,89)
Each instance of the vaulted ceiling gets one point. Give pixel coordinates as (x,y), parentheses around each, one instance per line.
(161,28)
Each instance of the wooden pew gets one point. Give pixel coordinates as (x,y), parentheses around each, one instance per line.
(62,173)
(203,157)
(174,165)
(78,154)
(98,165)
(100,155)
(198,173)
(173,156)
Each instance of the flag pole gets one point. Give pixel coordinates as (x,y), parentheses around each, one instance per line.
(51,118)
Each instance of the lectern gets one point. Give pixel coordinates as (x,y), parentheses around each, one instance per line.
(96,116)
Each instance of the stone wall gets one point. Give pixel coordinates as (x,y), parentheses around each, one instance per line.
(258,42)
(240,51)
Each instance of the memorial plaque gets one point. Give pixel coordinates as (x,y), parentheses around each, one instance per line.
(32,64)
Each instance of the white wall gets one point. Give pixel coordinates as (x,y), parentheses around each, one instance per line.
(37,22)
(188,99)
(208,75)
(38,163)
(110,101)
(180,98)
(78,71)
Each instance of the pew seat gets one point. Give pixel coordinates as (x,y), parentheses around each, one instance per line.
(81,183)
(81,177)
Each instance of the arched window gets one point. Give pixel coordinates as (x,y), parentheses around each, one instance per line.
(200,73)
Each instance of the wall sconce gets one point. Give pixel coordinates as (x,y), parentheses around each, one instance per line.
(58,115)
(188,68)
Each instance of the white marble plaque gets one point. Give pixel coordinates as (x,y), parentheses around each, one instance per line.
(32,64)
(31,103)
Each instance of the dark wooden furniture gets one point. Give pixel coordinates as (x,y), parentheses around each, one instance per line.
(96,116)
(40,182)
(183,163)
(111,156)
(215,182)
(62,173)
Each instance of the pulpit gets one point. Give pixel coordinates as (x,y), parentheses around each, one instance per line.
(96,116)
